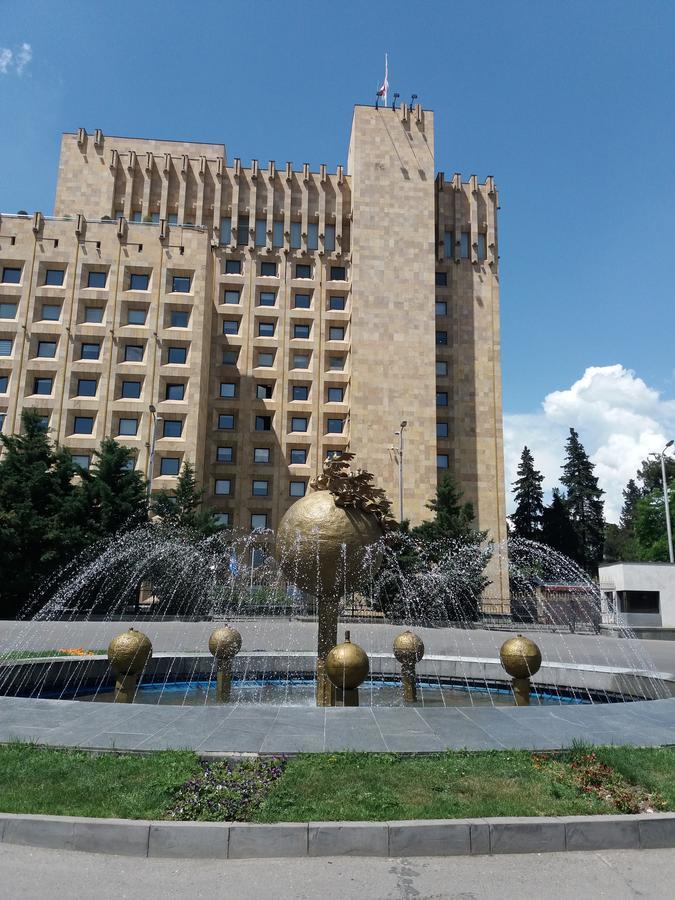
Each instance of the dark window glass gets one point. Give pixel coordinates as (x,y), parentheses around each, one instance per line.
(81,461)
(6,346)
(223,486)
(441,308)
(336,394)
(441,279)
(337,273)
(302,301)
(169,465)
(299,423)
(264,391)
(131,390)
(8,310)
(97,279)
(441,367)
(297,488)
(224,454)
(51,312)
(263,423)
(441,398)
(265,329)
(231,326)
(133,353)
(258,521)
(43,386)
(173,428)
(313,236)
(242,231)
(300,361)
(11,275)
(261,455)
(228,389)
(93,315)
(127,427)
(83,425)
(4,383)
(46,349)
(300,392)
(90,351)
(336,363)
(54,277)
(139,281)
(296,234)
(336,303)
(230,357)
(268,269)
(465,245)
(177,356)
(300,331)
(336,333)
(231,297)
(442,460)
(260,488)
(266,359)
(136,315)
(226,422)
(441,337)
(233,267)
(86,387)
(298,456)
(180,284)
(267,298)
(180,318)
(303,271)
(335,426)
(441,429)
(175,391)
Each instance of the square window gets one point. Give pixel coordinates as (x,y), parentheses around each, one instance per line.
(180,318)
(231,326)
(8,310)
(43,422)
(224,454)
(127,427)
(296,236)
(299,423)
(441,367)
(46,349)
(268,269)
(335,426)
(175,391)
(133,353)
(258,521)
(233,267)
(230,357)
(260,488)
(4,383)
(97,279)
(86,387)
(302,301)
(173,428)
(223,486)
(81,461)
(180,284)
(261,455)
(336,363)
(230,296)
(136,315)
(297,488)
(336,302)
(177,356)
(265,329)
(263,423)
(226,422)
(264,391)
(336,333)
(338,273)
(441,279)
(266,359)
(43,386)
(442,337)
(441,398)
(313,236)
(83,425)
(169,465)
(298,456)
(336,394)
(93,315)
(441,429)
(6,346)
(11,275)
(51,312)
(300,331)
(228,389)
(130,464)
(131,390)
(300,392)
(139,281)
(267,298)
(301,361)
(222,519)
(54,277)
(442,460)
(303,271)
(441,308)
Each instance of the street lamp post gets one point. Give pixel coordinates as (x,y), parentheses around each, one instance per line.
(400,468)
(665,499)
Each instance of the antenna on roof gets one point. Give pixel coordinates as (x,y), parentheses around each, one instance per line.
(412,100)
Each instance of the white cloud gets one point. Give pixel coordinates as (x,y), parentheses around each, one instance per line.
(620,420)
(15,62)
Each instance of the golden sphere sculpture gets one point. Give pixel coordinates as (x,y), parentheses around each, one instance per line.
(408,648)
(225,643)
(347,665)
(520,657)
(129,652)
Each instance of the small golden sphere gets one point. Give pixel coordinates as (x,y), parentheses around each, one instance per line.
(347,665)
(408,648)
(225,643)
(520,657)
(129,652)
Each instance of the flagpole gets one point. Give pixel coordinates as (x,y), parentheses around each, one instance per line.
(386,79)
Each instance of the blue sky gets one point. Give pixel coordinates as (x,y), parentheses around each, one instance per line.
(568,104)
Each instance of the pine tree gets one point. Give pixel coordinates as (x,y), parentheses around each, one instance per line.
(115,491)
(529,498)
(453,520)
(584,502)
(631,495)
(557,529)
(183,507)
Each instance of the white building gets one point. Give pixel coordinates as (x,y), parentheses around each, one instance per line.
(639,595)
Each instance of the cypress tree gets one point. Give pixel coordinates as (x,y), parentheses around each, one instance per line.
(584,502)
(529,497)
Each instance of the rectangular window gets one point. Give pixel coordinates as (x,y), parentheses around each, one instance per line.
(297,488)
(300,331)
(54,277)
(230,357)
(338,273)
(336,394)
(223,487)
(639,601)
(8,310)
(3,416)
(43,422)
(265,329)
(336,333)
(441,367)
(97,279)
(442,460)
(296,241)
(131,390)
(179,318)
(242,231)
(4,384)
(226,422)
(93,315)
(302,301)
(335,426)
(222,519)
(258,521)
(336,363)
(43,386)
(51,312)
(441,398)
(86,387)
(81,461)
(441,308)
(261,455)
(172,218)
(225,230)
(260,232)
(154,218)
(230,296)
(231,326)
(312,236)
(127,427)
(449,244)
(177,356)
(133,353)
(303,271)
(228,389)
(264,391)
(268,269)
(175,392)
(180,284)
(277,234)
(224,454)
(329,238)
(266,359)
(173,428)
(169,465)
(441,279)
(300,392)
(47,349)
(136,315)
(299,423)
(336,302)
(482,245)
(263,423)
(441,429)
(441,337)
(136,215)
(300,361)
(298,456)
(83,425)
(233,267)
(260,488)
(139,281)
(465,245)
(267,298)
(11,275)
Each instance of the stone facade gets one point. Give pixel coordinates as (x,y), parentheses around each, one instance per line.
(269,315)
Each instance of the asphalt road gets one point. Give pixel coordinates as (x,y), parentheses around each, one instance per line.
(36,874)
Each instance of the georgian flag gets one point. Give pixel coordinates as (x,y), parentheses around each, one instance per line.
(384,87)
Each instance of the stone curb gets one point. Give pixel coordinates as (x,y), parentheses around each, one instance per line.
(429,837)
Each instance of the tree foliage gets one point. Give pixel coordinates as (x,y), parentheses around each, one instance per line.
(115,492)
(584,503)
(557,528)
(182,508)
(529,497)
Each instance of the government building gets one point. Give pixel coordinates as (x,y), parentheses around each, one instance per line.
(254,319)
